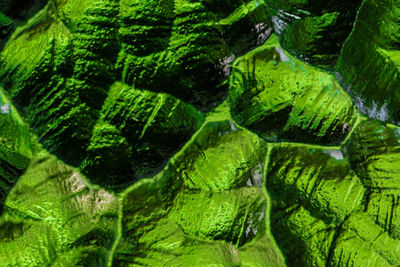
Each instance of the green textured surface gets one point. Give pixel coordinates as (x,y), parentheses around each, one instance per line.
(370,58)
(278,96)
(313,30)
(199,133)
(162,215)
(137,130)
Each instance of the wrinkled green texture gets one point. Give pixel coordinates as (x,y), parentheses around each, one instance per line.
(313,30)
(199,133)
(369,62)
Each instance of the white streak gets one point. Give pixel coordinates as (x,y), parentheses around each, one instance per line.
(286,14)
(279,24)
(226,64)
(256,176)
(377,112)
(5,109)
(281,54)
(76,183)
(281,21)
(337,154)
(263,32)
(233,127)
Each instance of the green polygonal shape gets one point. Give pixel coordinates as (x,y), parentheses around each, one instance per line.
(177,215)
(54,216)
(17,146)
(137,133)
(369,61)
(321,180)
(313,30)
(280,97)
(132,94)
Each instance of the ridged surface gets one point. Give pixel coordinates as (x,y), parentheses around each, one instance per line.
(278,96)
(313,30)
(191,133)
(164,223)
(370,59)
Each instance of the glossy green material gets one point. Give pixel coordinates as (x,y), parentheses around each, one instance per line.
(369,62)
(313,30)
(278,96)
(198,133)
